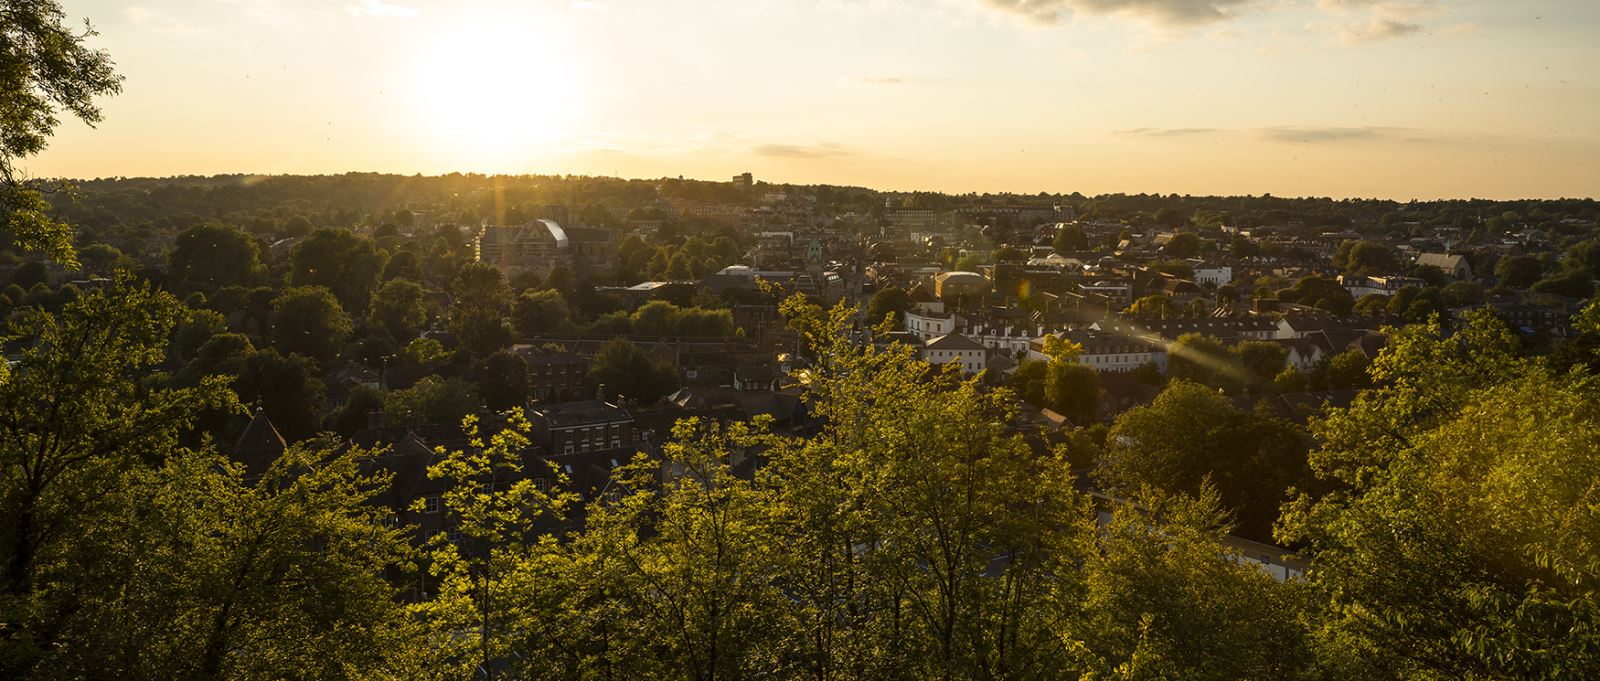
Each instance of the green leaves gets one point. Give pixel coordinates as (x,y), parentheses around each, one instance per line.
(1476,470)
(44,68)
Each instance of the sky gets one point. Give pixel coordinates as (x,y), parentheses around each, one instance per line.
(1401,99)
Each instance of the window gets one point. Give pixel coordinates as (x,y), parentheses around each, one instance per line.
(454,536)
(430,504)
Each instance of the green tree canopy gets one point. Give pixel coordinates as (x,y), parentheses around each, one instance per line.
(1475,469)
(1191,435)
(210,256)
(889,300)
(621,368)
(45,68)
(537,313)
(309,321)
(432,401)
(1519,271)
(503,381)
(398,310)
(1069,239)
(341,261)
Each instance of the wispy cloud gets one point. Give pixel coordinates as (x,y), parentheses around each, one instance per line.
(1166,13)
(379,8)
(800,151)
(157,21)
(1375,30)
(1294,134)
(271,11)
(874,80)
(1168,132)
(1335,134)
(1369,21)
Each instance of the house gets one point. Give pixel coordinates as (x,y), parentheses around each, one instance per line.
(929,325)
(1302,325)
(1382,285)
(582,427)
(1302,353)
(555,376)
(1108,352)
(259,445)
(955,284)
(405,459)
(1454,266)
(1226,329)
(1213,275)
(969,354)
(533,248)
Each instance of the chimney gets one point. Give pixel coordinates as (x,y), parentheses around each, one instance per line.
(600,393)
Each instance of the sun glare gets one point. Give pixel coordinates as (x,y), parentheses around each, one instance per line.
(497,94)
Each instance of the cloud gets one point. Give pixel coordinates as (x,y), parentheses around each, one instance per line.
(1168,132)
(156,21)
(1294,134)
(800,151)
(1169,13)
(1376,30)
(271,11)
(874,80)
(1334,134)
(379,8)
(1376,20)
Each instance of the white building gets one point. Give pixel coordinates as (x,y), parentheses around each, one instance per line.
(1214,275)
(1105,352)
(971,356)
(929,325)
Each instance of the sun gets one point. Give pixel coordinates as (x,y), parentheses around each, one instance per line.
(497,92)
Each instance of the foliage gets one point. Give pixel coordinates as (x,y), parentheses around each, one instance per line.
(432,401)
(481,307)
(503,380)
(309,321)
(1319,292)
(623,370)
(210,256)
(1162,600)
(1069,239)
(537,313)
(889,300)
(487,593)
(1518,271)
(1365,258)
(1155,306)
(661,318)
(1190,437)
(75,419)
(398,310)
(1475,470)
(342,262)
(287,387)
(44,68)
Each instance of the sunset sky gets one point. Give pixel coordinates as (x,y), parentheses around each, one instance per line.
(1398,99)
